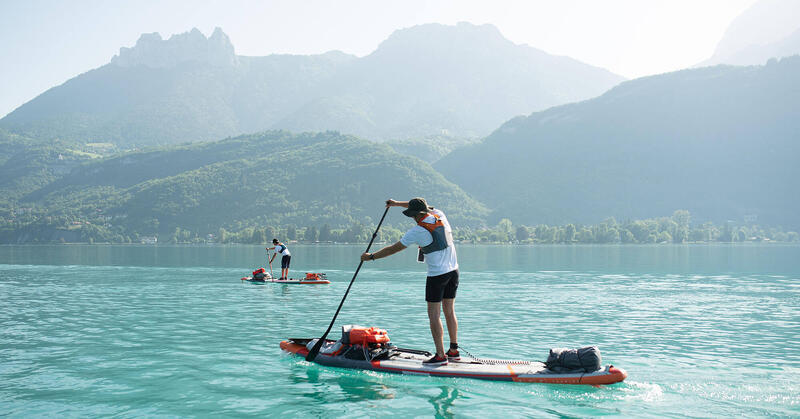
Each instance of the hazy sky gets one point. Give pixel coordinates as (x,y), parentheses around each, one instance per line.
(45,42)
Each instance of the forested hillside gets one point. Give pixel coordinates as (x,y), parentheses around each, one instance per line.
(268,179)
(429,149)
(721,142)
(27,164)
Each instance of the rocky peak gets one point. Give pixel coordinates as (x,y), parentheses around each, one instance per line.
(153,51)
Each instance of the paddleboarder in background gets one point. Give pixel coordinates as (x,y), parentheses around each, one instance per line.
(434,237)
(286,257)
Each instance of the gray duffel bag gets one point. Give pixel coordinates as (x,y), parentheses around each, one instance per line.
(567,360)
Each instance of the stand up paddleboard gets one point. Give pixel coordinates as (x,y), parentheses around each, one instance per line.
(260,276)
(370,349)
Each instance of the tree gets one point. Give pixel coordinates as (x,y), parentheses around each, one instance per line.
(727,233)
(258,236)
(586,236)
(269,233)
(540,232)
(505,227)
(639,230)
(626,236)
(697,235)
(569,233)
(311,234)
(682,218)
(681,230)
(325,233)
(291,232)
(522,233)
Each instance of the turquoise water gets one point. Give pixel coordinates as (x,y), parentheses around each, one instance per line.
(702,331)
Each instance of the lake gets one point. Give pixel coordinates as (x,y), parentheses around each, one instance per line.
(702,330)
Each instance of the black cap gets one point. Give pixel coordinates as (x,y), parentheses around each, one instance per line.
(416,206)
(274,241)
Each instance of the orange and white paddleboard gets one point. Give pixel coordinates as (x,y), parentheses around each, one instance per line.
(405,361)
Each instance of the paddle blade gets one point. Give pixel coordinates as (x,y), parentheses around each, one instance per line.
(312,354)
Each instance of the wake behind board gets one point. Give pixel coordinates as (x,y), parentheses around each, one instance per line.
(386,357)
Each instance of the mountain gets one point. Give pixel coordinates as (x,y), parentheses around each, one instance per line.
(459,81)
(185,88)
(767,29)
(759,54)
(721,142)
(269,179)
(152,51)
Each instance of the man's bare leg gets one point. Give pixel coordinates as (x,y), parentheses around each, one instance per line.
(434,313)
(450,317)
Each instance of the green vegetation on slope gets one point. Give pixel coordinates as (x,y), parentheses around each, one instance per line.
(268,179)
(721,142)
(431,148)
(674,229)
(27,164)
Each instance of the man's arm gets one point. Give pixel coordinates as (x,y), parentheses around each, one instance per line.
(393,203)
(386,251)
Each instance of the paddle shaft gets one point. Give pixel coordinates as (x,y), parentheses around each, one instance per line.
(270,264)
(315,350)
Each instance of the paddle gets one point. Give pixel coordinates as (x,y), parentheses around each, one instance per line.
(315,350)
(270,265)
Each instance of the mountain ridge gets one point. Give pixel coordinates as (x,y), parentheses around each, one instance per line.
(693,139)
(767,29)
(192,88)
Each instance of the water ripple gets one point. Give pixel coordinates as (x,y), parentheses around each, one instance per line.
(178,341)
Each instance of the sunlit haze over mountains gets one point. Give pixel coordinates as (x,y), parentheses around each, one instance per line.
(49,41)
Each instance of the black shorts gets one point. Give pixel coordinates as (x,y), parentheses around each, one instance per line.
(285,261)
(441,286)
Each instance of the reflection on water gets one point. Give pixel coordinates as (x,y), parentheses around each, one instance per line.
(443,403)
(701,258)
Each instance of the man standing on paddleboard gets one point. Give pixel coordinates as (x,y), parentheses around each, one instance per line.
(286,257)
(434,237)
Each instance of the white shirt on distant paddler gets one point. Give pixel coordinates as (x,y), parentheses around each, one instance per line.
(282,250)
(441,261)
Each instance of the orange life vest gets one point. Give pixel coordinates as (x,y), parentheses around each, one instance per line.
(437,233)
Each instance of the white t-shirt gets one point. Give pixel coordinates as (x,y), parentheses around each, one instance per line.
(282,250)
(441,261)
